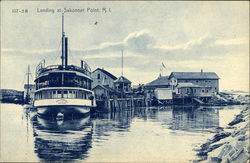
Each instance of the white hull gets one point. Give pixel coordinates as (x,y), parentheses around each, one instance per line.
(65,106)
(63,102)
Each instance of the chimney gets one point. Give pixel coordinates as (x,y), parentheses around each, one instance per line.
(66,51)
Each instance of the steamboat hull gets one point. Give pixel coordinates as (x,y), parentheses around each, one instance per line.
(64,109)
(64,106)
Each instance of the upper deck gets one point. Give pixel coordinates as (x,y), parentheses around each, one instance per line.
(59,68)
(59,76)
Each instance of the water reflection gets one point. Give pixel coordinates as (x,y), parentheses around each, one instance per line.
(195,119)
(191,119)
(71,140)
(63,140)
(114,121)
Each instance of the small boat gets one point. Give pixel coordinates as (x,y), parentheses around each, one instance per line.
(64,89)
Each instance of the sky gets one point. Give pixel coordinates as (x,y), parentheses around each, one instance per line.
(182,36)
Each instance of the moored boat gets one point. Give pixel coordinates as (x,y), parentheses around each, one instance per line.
(63,88)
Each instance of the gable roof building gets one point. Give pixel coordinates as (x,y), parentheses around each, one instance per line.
(205,79)
(102,77)
(122,79)
(105,72)
(194,75)
(160,82)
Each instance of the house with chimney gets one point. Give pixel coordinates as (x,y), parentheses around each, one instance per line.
(196,84)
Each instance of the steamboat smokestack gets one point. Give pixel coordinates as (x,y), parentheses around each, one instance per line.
(66,51)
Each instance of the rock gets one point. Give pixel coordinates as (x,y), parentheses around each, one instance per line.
(230,127)
(231,144)
(242,138)
(213,147)
(215,159)
(239,132)
(220,136)
(238,119)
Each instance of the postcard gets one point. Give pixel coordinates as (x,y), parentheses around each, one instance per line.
(123,81)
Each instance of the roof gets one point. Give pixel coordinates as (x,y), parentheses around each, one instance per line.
(103,87)
(185,85)
(107,73)
(194,75)
(122,79)
(162,80)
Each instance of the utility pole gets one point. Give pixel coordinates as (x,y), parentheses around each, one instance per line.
(122,62)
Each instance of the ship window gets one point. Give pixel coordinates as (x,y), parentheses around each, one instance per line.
(49,94)
(98,76)
(79,94)
(65,94)
(42,92)
(54,95)
(70,94)
(207,90)
(59,94)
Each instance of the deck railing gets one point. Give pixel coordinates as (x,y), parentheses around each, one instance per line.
(59,84)
(59,67)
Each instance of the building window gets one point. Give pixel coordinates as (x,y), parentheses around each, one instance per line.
(207,91)
(98,76)
(202,90)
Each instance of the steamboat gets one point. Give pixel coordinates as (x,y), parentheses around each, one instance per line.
(63,89)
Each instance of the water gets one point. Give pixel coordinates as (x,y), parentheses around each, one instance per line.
(163,134)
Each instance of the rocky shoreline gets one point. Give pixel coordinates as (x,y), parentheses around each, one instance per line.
(231,144)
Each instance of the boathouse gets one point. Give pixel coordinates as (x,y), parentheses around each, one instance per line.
(158,89)
(204,79)
(160,82)
(103,77)
(103,92)
(123,85)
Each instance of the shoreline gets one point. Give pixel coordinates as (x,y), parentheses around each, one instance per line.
(231,144)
